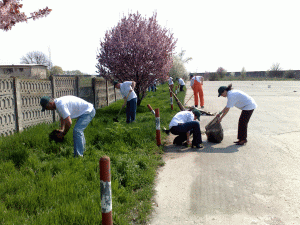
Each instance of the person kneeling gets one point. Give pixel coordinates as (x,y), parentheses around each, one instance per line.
(183,124)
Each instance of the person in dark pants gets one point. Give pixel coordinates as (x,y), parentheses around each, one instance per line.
(183,124)
(181,83)
(242,101)
(130,98)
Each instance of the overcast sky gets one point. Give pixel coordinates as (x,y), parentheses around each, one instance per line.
(216,33)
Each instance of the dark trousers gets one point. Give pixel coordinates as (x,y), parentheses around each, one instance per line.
(243,124)
(181,130)
(131,110)
(181,87)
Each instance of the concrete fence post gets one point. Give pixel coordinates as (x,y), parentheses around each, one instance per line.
(18,104)
(105,188)
(53,89)
(157,123)
(150,108)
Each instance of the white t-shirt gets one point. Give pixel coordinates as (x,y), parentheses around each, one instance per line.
(197,78)
(72,106)
(181,117)
(240,100)
(181,82)
(171,81)
(125,87)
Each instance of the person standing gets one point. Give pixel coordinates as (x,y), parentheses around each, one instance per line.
(130,98)
(183,124)
(242,101)
(196,84)
(181,83)
(70,107)
(171,83)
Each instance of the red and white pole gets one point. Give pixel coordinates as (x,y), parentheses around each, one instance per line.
(157,123)
(105,188)
(171,99)
(150,108)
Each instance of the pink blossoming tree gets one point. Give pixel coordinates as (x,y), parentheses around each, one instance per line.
(137,49)
(10,14)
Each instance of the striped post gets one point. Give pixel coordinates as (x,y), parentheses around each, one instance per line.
(171,99)
(150,108)
(157,123)
(105,188)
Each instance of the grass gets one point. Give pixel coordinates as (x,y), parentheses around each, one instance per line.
(42,183)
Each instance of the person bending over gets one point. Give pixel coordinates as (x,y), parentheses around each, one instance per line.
(242,101)
(70,107)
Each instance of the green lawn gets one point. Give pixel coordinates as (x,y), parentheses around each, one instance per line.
(42,183)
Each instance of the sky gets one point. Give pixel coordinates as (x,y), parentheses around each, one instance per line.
(233,34)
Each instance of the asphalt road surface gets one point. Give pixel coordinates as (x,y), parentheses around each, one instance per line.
(258,183)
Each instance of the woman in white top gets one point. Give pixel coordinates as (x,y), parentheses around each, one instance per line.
(242,101)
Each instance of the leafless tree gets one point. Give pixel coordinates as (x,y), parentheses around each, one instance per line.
(36,57)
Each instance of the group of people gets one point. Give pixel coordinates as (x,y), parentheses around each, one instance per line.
(183,124)
(71,107)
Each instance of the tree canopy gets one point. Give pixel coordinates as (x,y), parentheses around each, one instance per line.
(36,57)
(137,49)
(178,69)
(10,14)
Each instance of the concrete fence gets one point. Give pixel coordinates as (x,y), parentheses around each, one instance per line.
(20,98)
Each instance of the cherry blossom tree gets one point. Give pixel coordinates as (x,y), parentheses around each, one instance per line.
(10,14)
(137,49)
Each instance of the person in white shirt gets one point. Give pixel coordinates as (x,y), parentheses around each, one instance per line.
(181,83)
(242,101)
(130,98)
(183,124)
(196,84)
(171,83)
(70,107)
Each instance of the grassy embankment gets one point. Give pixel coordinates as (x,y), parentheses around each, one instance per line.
(41,182)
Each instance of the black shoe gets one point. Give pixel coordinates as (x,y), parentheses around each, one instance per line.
(166,131)
(202,107)
(197,146)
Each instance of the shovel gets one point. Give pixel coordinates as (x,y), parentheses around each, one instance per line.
(116,118)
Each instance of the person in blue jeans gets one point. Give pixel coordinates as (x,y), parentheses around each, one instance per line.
(130,98)
(184,124)
(71,107)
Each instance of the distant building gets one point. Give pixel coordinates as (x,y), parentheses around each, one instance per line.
(24,70)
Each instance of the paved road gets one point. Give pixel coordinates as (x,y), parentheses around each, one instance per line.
(227,184)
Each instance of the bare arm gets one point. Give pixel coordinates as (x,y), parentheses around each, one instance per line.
(223,112)
(65,125)
(133,84)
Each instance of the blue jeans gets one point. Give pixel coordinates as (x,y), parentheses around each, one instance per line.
(182,129)
(78,135)
(131,110)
